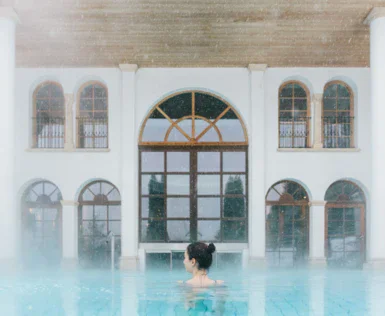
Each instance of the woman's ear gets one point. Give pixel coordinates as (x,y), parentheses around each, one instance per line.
(193,261)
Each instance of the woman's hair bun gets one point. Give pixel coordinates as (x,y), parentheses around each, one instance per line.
(211,248)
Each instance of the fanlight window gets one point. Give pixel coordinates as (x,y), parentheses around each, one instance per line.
(92,120)
(344,191)
(43,192)
(194,118)
(338,117)
(49,116)
(287,191)
(99,215)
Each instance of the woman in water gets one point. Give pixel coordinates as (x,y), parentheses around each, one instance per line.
(197,261)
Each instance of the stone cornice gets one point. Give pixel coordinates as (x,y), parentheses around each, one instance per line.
(375,13)
(69,203)
(128,67)
(257,67)
(9,13)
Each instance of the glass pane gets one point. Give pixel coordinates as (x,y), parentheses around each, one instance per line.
(210,136)
(209,207)
(335,214)
(100,212)
(37,213)
(152,161)
(343,104)
(234,184)
(178,184)
(178,161)
(177,136)
(100,91)
(352,214)
(177,260)
(178,207)
(352,243)
(286,91)
(177,106)
(87,211)
(87,92)
(234,207)
(49,229)
(152,184)
(229,260)
(114,212)
(152,230)
(50,214)
(335,228)
(153,207)
(209,162)
(335,244)
(100,104)
(158,261)
(234,161)
(343,91)
(100,228)
(285,104)
(208,184)
(155,128)
(178,230)
(114,195)
(44,91)
(273,195)
(88,196)
(234,230)
(209,230)
(231,129)
(331,91)
(42,105)
(329,105)
(86,105)
(272,242)
(87,228)
(300,104)
(299,91)
(186,126)
(208,106)
(115,227)
(353,228)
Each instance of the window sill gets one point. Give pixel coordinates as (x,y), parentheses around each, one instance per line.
(167,247)
(326,150)
(72,150)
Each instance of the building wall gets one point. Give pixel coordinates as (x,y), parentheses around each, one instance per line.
(316,170)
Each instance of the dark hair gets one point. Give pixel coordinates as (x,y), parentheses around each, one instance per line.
(202,253)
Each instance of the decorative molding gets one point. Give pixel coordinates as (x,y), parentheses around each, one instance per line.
(62,150)
(128,67)
(9,13)
(257,67)
(325,150)
(375,13)
(317,203)
(69,203)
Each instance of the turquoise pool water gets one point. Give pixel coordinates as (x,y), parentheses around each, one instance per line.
(157,293)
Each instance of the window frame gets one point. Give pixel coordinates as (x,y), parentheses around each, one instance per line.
(351,111)
(308,112)
(78,112)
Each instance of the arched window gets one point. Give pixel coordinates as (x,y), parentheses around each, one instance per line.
(193,171)
(338,116)
(92,116)
(287,225)
(48,122)
(294,115)
(99,214)
(345,220)
(41,224)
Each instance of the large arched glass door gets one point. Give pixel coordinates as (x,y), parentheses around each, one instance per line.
(287,225)
(345,225)
(41,225)
(193,171)
(99,214)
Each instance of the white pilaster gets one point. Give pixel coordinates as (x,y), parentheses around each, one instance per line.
(129,163)
(317,101)
(8,212)
(317,234)
(376,20)
(69,122)
(257,166)
(69,233)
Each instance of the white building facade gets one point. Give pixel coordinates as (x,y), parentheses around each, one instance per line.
(303,147)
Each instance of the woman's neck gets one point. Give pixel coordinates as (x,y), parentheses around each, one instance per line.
(197,272)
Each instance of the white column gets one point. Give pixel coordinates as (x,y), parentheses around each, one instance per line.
(69,122)
(69,233)
(317,234)
(376,232)
(8,212)
(257,166)
(129,165)
(317,101)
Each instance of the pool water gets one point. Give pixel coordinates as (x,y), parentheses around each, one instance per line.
(158,293)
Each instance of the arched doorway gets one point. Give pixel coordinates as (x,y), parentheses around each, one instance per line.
(345,225)
(41,225)
(287,225)
(99,214)
(193,171)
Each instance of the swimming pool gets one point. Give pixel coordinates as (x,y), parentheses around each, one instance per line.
(157,293)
